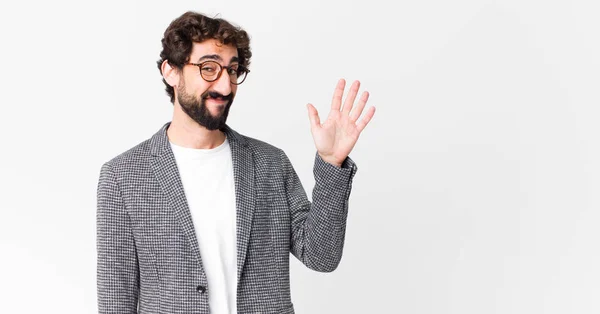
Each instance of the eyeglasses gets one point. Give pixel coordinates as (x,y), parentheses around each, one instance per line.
(211,71)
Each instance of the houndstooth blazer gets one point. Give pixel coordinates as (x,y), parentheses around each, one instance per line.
(148,260)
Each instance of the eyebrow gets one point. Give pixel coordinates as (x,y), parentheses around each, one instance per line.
(217,58)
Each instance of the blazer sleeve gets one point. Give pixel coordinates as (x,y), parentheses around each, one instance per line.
(318,228)
(117,264)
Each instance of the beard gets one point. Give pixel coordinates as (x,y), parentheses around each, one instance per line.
(196,109)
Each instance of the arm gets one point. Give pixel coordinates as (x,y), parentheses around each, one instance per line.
(117,268)
(318,229)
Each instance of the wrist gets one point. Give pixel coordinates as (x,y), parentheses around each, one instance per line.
(331,160)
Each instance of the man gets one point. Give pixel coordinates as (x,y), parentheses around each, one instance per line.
(201,219)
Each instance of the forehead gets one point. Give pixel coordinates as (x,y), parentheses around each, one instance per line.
(213,47)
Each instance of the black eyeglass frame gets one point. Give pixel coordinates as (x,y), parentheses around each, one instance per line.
(240,67)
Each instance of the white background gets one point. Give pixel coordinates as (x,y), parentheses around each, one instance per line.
(479,176)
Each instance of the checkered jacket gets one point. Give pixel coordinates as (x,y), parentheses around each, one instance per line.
(148,260)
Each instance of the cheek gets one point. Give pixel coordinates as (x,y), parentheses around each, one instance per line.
(195,87)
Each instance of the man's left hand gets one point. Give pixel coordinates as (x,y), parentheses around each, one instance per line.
(336,137)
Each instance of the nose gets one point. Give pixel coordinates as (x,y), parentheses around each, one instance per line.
(223,84)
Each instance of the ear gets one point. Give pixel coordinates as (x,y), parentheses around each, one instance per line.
(170,74)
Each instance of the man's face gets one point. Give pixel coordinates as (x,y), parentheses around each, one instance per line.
(207,103)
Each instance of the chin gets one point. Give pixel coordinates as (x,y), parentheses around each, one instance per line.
(218,114)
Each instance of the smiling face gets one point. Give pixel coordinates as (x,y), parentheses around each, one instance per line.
(207,103)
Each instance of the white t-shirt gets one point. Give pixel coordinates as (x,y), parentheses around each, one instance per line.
(207,177)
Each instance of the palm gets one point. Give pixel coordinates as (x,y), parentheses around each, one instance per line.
(336,137)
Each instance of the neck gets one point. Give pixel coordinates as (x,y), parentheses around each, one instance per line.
(183,131)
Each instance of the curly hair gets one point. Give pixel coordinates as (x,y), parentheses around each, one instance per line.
(178,39)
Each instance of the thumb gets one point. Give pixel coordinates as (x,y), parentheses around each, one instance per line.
(313,115)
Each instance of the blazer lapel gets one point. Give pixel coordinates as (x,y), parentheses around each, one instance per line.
(245,193)
(167,174)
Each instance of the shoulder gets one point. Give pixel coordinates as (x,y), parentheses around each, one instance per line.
(131,159)
(260,146)
(263,150)
(265,155)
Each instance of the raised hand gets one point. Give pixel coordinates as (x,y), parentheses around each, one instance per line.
(336,137)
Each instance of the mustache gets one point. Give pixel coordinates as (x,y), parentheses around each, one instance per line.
(216,95)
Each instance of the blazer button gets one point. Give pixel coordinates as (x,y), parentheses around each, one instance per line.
(201,288)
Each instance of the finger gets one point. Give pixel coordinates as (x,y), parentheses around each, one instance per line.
(365,119)
(336,102)
(351,96)
(357,111)
(313,116)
